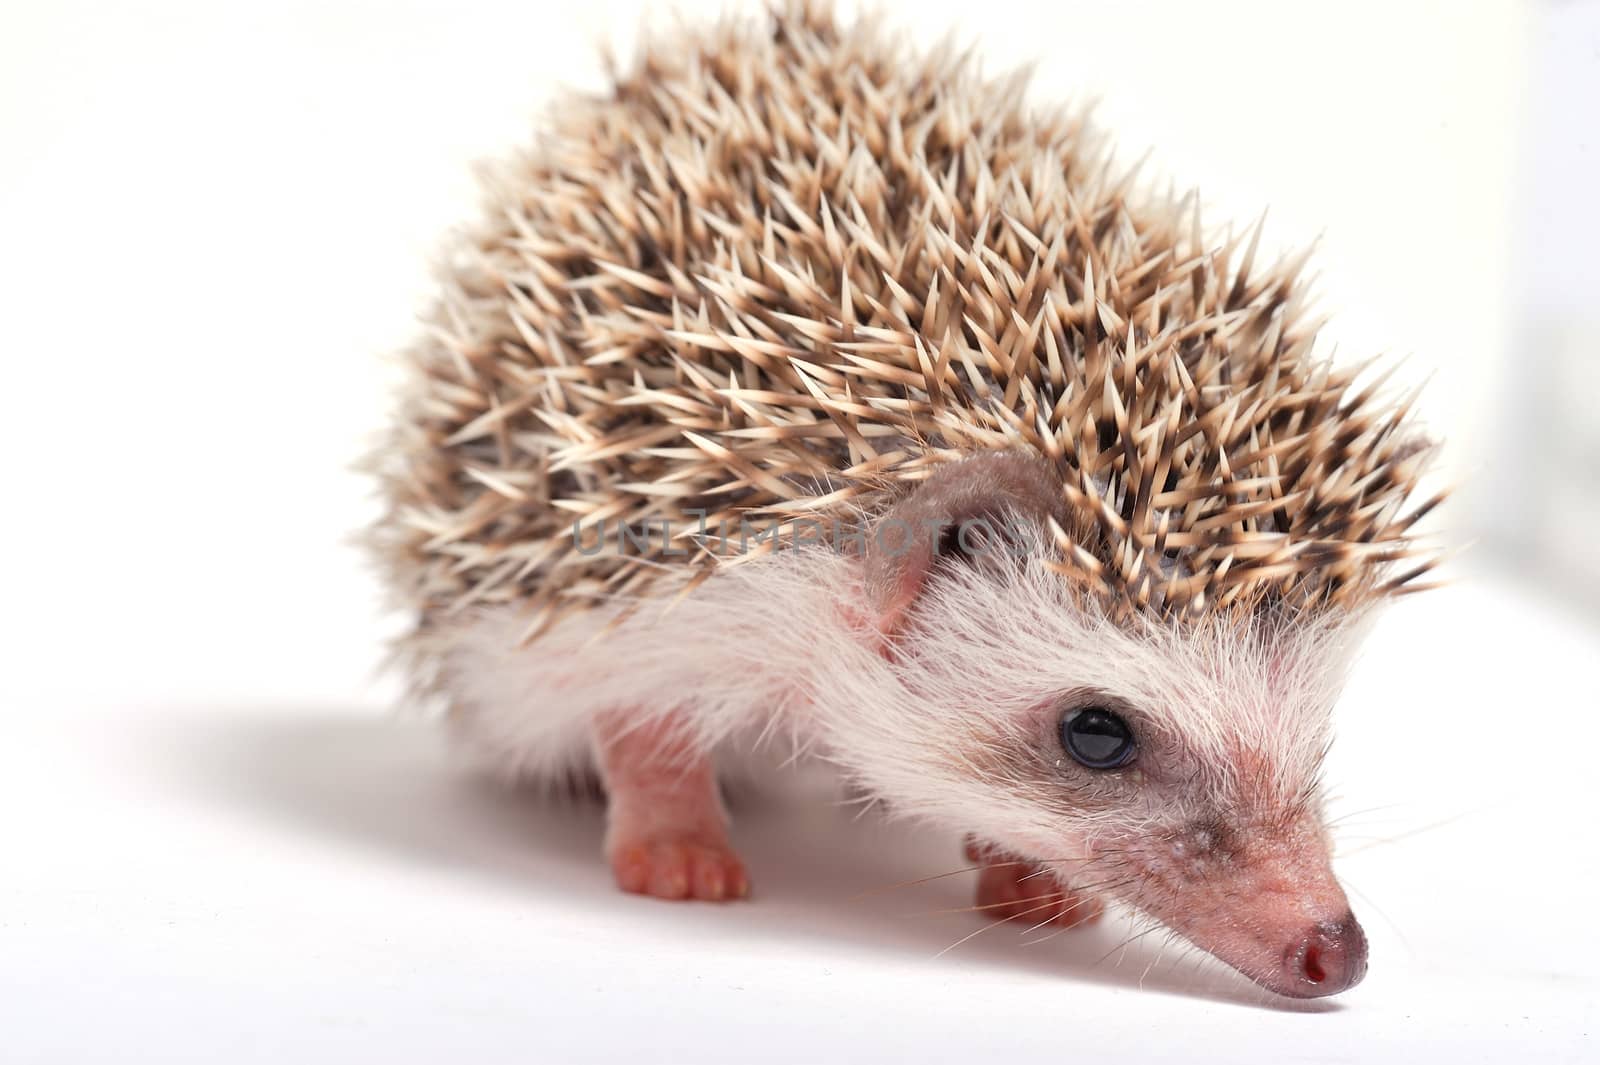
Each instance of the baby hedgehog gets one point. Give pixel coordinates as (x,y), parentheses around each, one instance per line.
(807,391)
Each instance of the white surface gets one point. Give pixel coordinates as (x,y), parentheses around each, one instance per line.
(1539,491)
(219,847)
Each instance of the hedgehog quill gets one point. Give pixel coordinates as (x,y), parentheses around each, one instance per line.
(1102,532)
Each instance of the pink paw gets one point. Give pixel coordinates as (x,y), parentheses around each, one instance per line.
(679,868)
(1015,889)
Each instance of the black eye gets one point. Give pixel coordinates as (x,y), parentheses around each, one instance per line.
(1097,738)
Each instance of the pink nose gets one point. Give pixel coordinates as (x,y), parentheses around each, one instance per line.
(1330,958)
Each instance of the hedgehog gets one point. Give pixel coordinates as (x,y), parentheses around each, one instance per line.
(808,391)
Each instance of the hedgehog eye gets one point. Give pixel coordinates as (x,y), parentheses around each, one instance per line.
(1097,738)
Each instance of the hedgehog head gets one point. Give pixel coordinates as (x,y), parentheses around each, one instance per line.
(1166,757)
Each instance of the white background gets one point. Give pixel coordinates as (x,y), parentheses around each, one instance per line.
(219,843)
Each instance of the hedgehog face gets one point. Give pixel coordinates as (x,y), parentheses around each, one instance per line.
(1212,822)
(1174,769)
(1173,765)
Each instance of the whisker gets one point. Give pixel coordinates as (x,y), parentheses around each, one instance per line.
(1364,811)
(1056,916)
(1057,893)
(1126,943)
(1106,886)
(985,906)
(985,928)
(1408,835)
(1364,897)
(869,892)
(1165,941)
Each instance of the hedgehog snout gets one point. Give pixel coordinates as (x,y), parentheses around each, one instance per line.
(1264,902)
(1331,957)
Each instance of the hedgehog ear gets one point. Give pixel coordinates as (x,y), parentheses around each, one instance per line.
(934,522)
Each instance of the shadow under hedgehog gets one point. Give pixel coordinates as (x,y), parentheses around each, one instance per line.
(1100,532)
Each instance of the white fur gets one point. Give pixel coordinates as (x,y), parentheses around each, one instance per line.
(948,727)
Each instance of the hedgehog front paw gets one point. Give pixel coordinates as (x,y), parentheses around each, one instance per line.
(1016,889)
(670,866)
